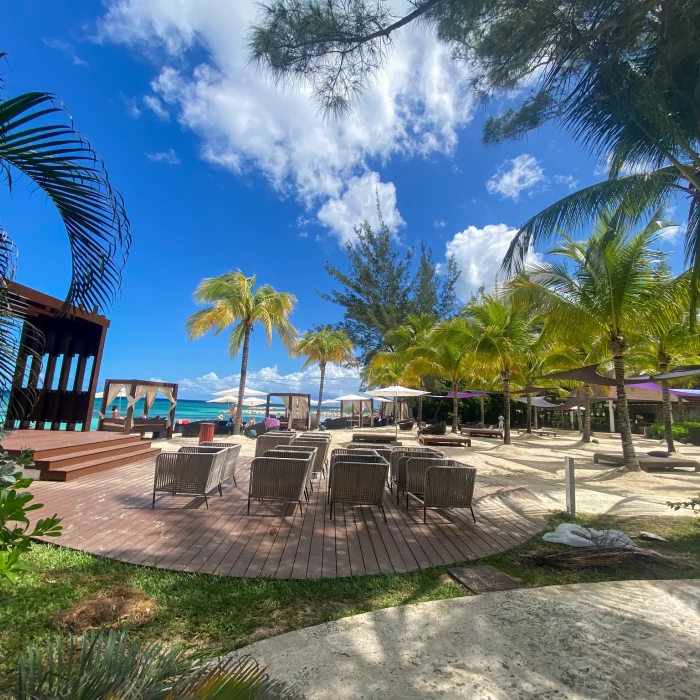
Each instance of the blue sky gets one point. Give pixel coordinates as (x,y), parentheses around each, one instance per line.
(219,170)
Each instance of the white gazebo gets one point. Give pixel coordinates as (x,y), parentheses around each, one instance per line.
(355,401)
(395,393)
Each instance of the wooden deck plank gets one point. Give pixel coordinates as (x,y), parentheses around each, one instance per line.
(110,514)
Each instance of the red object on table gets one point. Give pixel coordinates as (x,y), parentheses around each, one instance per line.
(206,432)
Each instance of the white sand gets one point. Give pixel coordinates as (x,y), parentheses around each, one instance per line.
(537,463)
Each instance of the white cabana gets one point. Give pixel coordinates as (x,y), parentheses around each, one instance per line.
(358,403)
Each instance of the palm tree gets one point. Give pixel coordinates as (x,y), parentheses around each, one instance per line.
(676,342)
(502,335)
(446,352)
(412,334)
(38,140)
(321,346)
(233,301)
(605,288)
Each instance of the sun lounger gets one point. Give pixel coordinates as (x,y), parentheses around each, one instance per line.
(483,432)
(646,462)
(385,438)
(455,440)
(540,431)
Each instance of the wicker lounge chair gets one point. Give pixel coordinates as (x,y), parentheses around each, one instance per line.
(271,439)
(322,446)
(346,455)
(191,473)
(406,425)
(300,453)
(398,469)
(278,479)
(435,429)
(233,449)
(359,483)
(442,483)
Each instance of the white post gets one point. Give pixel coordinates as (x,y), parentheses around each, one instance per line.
(611,411)
(570,486)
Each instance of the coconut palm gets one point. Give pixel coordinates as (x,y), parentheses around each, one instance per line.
(604,288)
(675,342)
(235,303)
(502,335)
(412,334)
(321,346)
(446,353)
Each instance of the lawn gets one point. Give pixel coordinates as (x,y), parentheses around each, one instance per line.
(221,614)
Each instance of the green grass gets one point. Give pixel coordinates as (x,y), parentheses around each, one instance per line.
(222,614)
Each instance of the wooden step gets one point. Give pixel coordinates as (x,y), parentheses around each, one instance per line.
(68,448)
(75,471)
(98,452)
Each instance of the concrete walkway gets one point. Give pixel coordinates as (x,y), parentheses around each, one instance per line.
(635,639)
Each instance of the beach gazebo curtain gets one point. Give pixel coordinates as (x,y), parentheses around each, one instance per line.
(168,393)
(112,394)
(302,403)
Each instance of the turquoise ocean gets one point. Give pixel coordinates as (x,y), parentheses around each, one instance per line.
(186,409)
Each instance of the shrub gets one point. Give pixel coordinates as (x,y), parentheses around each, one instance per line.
(678,430)
(15,539)
(108,664)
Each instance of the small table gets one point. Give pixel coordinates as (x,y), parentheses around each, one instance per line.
(445,440)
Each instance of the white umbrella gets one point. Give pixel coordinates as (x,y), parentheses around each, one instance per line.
(254,401)
(397,392)
(121,394)
(235,390)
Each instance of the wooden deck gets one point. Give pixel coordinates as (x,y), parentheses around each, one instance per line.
(109,514)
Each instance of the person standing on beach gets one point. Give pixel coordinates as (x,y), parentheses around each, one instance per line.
(501,420)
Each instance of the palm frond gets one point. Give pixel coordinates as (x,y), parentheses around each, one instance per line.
(37,138)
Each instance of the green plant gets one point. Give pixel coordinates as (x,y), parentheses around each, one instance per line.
(108,664)
(693,504)
(680,431)
(15,540)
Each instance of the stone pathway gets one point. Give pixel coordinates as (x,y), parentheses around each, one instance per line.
(632,639)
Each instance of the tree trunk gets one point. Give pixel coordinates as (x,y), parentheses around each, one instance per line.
(322,366)
(666,397)
(241,385)
(586,414)
(535,416)
(455,407)
(505,377)
(631,462)
(481,401)
(528,418)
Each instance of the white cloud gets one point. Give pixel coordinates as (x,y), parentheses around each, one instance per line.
(359,203)
(132,106)
(244,122)
(338,381)
(439,223)
(515,176)
(303,234)
(169,157)
(156,106)
(67,49)
(567,180)
(479,253)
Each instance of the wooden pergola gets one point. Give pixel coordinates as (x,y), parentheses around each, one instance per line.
(293,402)
(135,390)
(70,341)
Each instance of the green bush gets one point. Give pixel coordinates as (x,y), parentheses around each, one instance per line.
(679,430)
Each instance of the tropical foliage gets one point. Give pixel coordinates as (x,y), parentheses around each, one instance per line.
(321,346)
(233,302)
(16,530)
(39,141)
(606,287)
(111,664)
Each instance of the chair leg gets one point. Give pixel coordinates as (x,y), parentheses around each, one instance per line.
(221,493)
(381,507)
(234,480)
(406,500)
(301,510)
(473,516)
(248,511)
(206,502)
(153,505)
(424,513)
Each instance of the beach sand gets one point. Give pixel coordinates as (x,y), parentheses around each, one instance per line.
(537,463)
